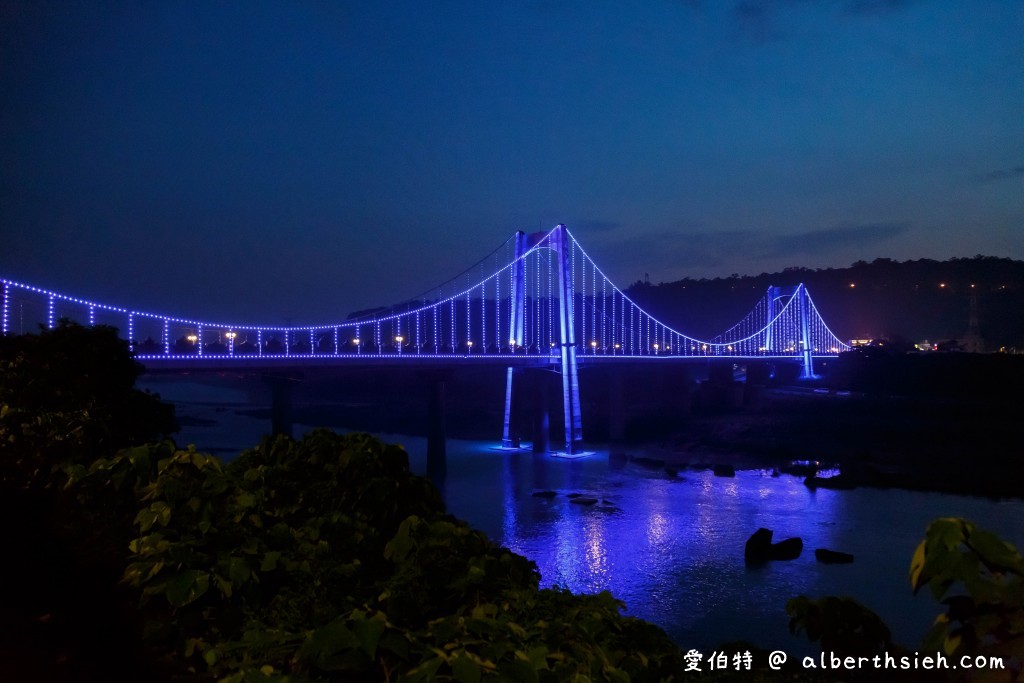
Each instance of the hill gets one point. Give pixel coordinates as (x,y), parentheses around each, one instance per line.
(905,301)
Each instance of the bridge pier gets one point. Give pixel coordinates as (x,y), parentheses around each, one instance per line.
(541,413)
(616,407)
(758,376)
(510,436)
(721,390)
(437,449)
(281,390)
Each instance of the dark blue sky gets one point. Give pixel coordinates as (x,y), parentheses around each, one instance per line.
(264,160)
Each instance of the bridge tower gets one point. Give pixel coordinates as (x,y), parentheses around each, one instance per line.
(773,337)
(570,375)
(559,242)
(510,433)
(806,350)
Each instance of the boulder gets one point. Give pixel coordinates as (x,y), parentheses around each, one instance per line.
(827,556)
(758,547)
(724,471)
(789,549)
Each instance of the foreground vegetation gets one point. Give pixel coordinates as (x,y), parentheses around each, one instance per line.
(326,559)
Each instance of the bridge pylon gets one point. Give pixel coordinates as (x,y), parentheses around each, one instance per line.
(775,340)
(570,374)
(558,240)
(510,437)
(804,311)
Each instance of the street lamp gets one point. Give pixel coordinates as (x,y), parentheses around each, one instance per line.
(398,342)
(593,347)
(357,342)
(231,341)
(469,346)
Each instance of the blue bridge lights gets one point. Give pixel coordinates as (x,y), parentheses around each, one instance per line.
(541,294)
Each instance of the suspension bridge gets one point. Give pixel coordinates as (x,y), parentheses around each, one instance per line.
(538,300)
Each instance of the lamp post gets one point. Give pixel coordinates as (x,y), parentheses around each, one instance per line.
(398,342)
(231,341)
(469,347)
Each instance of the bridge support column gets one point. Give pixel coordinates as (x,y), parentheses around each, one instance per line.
(758,376)
(281,389)
(437,450)
(805,333)
(616,407)
(570,376)
(510,437)
(510,433)
(541,414)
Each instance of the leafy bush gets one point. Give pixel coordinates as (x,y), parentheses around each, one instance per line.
(988,617)
(325,559)
(67,396)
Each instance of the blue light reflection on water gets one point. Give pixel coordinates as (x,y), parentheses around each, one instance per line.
(672,549)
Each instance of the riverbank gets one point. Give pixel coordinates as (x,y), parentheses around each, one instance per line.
(941,445)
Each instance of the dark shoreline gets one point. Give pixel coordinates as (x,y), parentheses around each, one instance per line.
(939,445)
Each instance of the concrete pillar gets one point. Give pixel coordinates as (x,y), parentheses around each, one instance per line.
(510,431)
(281,388)
(616,406)
(541,413)
(437,454)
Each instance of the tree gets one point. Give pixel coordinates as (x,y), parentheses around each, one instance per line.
(67,395)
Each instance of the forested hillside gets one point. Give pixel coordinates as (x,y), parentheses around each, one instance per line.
(900,300)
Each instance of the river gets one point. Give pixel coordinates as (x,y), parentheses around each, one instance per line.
(671,548)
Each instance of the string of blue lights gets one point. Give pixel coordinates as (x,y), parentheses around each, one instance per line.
(469,314)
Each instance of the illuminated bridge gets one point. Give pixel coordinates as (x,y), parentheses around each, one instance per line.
(537,300)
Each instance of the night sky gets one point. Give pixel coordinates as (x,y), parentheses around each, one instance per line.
(260,161)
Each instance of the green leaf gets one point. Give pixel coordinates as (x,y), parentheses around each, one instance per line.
(185,587)
(425,671)
(465,670)
(369,631)
(238,571)
(947,533)
(270,561)
(917,565)
(994,552)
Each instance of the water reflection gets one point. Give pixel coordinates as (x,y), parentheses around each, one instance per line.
(672,548)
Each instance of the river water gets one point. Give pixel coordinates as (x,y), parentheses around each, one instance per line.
(670,548)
